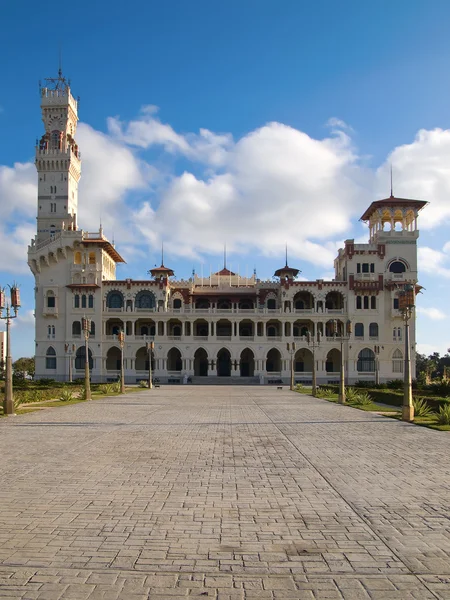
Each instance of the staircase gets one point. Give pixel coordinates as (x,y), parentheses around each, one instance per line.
(225,380)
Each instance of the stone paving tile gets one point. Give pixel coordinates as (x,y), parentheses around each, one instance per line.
(222,492)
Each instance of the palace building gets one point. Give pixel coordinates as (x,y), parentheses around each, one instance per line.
(221,328)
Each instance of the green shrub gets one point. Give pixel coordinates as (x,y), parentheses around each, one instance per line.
(421,407)
(107,388)
(443,416)
(363,399)
(441,388)
(299,387)
(395,384)
(66,396)
(364,384)
(324,393)
(144,384)
(351,394)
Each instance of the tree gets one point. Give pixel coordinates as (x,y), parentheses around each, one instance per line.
(24,366)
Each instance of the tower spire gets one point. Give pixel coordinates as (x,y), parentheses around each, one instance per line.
(225,255)
(392,187)
(286,256)
(162,254)
(60,62)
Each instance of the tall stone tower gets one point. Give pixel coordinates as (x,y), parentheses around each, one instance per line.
(57,160)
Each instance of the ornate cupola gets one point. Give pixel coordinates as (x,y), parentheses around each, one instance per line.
(162,272)
(287,273)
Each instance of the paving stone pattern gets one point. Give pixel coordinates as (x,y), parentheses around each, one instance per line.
(231,493)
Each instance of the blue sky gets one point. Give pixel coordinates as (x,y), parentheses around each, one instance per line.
(276,122)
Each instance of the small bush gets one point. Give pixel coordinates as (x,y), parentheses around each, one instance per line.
(363,399)
(66,396)
(324,393)
(421,408)
(441,388)
(443,417)
(108,388)
(144,384)
(299,387)
(395,384)
(364,384)
(352,395)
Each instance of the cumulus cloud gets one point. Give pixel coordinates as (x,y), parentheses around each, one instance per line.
(433,261)
(432,313)
(422,169)
(110,171)
(147,130)
(280,186)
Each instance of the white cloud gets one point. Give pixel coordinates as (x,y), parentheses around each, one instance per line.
(281,186)
(432,313)
(147,130)
(422,169)
(433,261)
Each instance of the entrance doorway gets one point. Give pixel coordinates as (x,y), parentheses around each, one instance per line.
(200,363)
(247,363)
(223,363)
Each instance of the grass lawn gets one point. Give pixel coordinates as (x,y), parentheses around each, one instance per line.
(395,413)
(28,407)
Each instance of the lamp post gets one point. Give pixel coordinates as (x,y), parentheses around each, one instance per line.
(342,338)
(150,347)
(14,303)
(121,338)
(86,326)
(70,349)
(313,343)
(406,306)
(291,350)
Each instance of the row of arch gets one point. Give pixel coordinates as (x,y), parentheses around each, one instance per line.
(147,299)
(222,361)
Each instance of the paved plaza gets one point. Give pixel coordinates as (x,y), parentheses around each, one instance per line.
(232,493)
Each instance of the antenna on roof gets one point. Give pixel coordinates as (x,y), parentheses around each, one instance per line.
(392,187)
(286,256)
(162,254)
(60,62)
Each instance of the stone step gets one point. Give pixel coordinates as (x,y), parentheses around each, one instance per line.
(225,380)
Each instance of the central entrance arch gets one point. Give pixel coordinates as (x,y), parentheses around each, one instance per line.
(223,363)
(200,363)
(247,363)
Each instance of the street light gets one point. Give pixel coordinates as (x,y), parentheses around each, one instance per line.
(406,306)
(86,326)
(14,303)
(121,338)
(70,349)
(291,350)
(342,338)
(150,346)
(312,343)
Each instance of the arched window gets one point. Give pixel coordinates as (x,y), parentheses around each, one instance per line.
(83,301)
(91,301)
(397,334)
(55,140)
(50,358)
(114,300)
(76,301)
(145,299)
(366,361)
(144,330)
(358,302)
(271,331)
(397,361)
(92,258)
(366,301)
(76,328)
(373,330)
(397,267)
(177,303)
(80,358)
(51,299)
(373,302)
(77,258)
(271,304)
(92,328)
(359,330)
